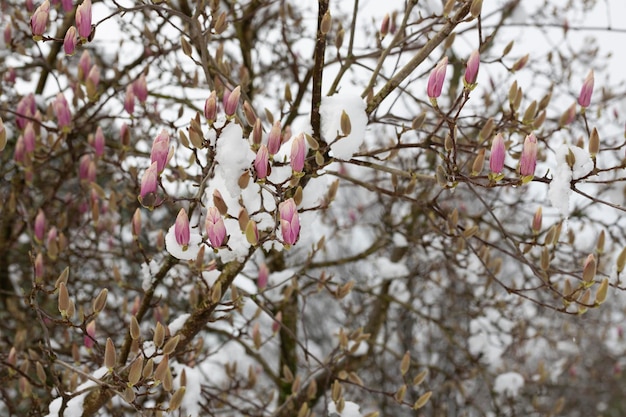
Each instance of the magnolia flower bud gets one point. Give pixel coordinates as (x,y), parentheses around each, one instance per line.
(84,65)
(149,183)
(129,100)
(384,26)
(289,221)
(140,88)
(181,229)
(537,219)
(62,111)
(263,276)
(210,107)
(160,150)
(90,335)
(40,226)
(528,160)
(230,107)
(436,79)
(498,151)
(471,70)
(215,228)
(261,162)
(39,20)
(83,19)
(584,98)
(298,153)
(594,143)
(30,139)
(274,139)
(70,41)
(589,269)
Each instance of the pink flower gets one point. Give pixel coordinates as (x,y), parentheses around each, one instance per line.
(140,88)
(471,71)
(528,160)
(29,138)
(84,64)
(90,336)
(181,229)
(39,20)
(496,160)
(26,110)
(8,35)
(129,101)
(62,111)
(40,225)
(70,41)
(215,229)
(68,5)
(584,98)
(160,150)
(210,107)
(83,19)
(436,78)
(289,221)
(99,142)
(274,139)
(263,276)
(232,102)
(261,162)
(298,153)
(149,182)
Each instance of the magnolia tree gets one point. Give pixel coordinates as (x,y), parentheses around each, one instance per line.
(263,208)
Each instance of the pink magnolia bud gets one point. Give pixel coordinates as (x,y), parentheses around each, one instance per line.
(496,160)
(86,169)
(471,71)
(20,150)
(215,228)
(124,135)
(83,19)
(263,276)
(384,26)
(231,104)
(210,107)
(277,322)
(528,160)
(160,150)
(84,65)
(62,111)
(8,35)
(274,139)
(289,221)
(70,41)
(298,153)
(99,142)
(39,268)
(39,20)
(584,98)
(140,88)
(29,138)
(261,162)
(149,182)
(436,78)
(40,226)
(129,101)
(68,5)
(537,219)
(181,229)
(26,109)
(90,336)
(94,75)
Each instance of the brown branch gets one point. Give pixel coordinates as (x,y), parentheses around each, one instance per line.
(318,71)
(421,55)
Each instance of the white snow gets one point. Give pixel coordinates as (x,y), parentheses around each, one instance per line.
(234,156)
(559,192)
(508,384)
(178,323)
(350,409)
(176,250)
(330,113)
(74,407)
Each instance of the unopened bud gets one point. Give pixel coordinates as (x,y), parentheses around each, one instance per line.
(101,301)
(476,7)
(134,372)
(602,291)
(159,335)
(326,23)
(594,143)
(64,299)
(589,269)
(109,355)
